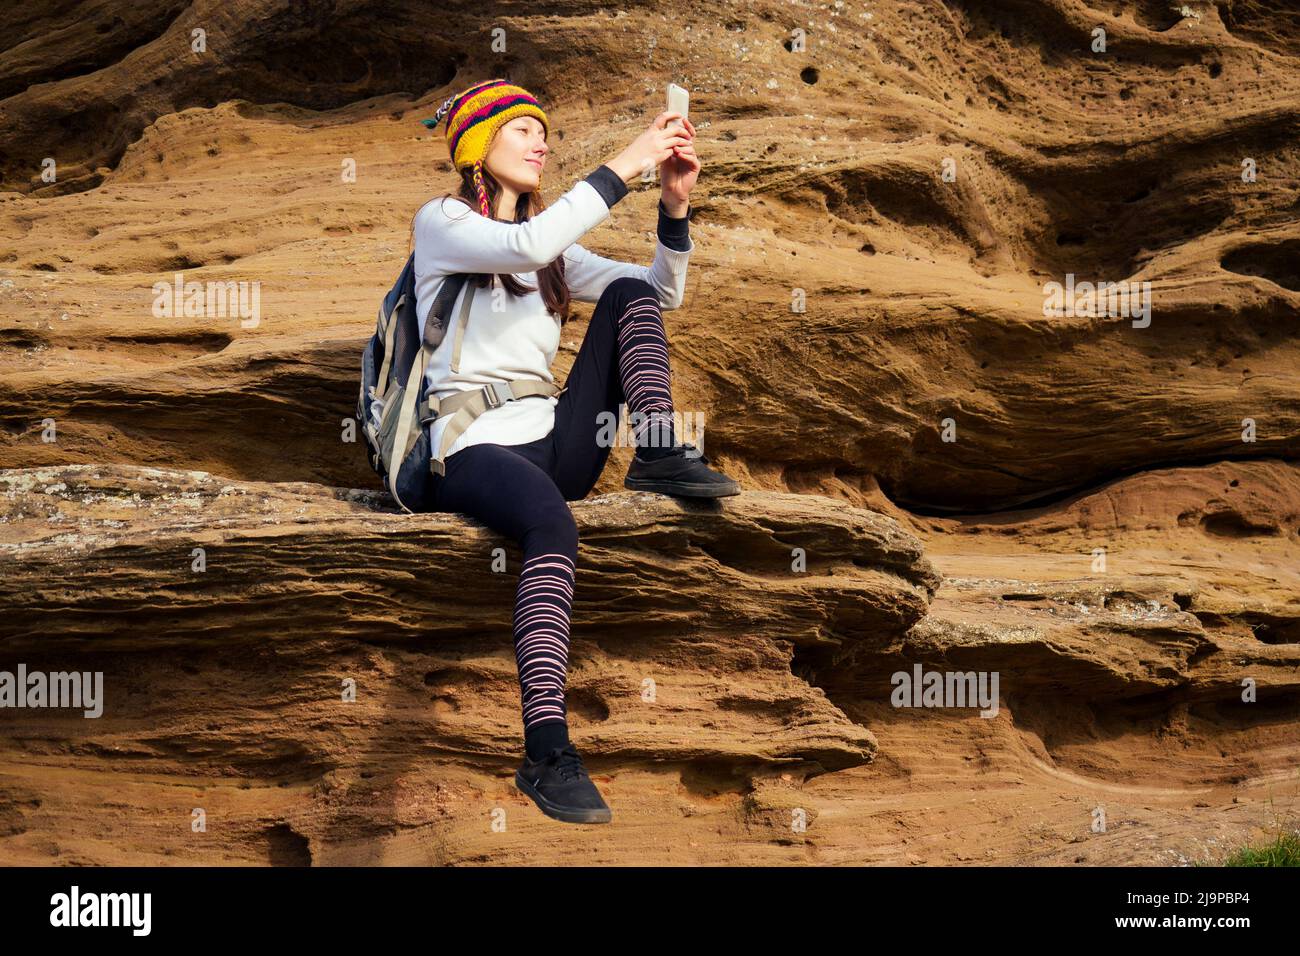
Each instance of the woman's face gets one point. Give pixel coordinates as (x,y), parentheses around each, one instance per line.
(518,154)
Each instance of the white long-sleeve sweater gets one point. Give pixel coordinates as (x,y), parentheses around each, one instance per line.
(510,337)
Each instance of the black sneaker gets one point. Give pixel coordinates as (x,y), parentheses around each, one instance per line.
(681,472)
(559,785)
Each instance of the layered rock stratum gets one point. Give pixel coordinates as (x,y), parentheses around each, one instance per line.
(1103,512)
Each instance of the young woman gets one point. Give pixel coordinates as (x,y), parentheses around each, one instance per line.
(515,466)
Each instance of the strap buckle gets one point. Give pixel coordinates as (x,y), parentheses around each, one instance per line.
(428,409)
(493,397)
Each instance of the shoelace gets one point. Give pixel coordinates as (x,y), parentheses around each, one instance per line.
(701,457)
(568,763)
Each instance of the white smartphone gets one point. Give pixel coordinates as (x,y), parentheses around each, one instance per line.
(679,101)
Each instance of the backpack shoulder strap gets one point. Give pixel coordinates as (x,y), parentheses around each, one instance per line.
(460,326)
(435,325)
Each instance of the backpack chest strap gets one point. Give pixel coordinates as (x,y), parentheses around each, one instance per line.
(469,405)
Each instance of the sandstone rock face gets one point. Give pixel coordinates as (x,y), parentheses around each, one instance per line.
(1102,510)
(227,616)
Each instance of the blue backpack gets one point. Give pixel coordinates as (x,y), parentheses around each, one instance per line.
(394,408)
(392,398)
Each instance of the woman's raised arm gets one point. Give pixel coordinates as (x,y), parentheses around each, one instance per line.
(588,274)
(450,237)
(451,240)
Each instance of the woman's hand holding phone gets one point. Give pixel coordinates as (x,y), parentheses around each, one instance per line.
(658,143)
(678,174)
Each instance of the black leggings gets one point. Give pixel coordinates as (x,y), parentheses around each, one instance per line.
(521,490)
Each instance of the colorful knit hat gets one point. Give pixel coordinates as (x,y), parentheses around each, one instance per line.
(473,118)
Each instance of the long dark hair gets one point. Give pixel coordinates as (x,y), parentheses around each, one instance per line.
(550,278)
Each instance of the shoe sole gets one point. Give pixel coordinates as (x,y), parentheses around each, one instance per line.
(566,814)
(683,489)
